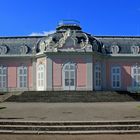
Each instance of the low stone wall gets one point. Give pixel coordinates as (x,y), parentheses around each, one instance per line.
(74,96)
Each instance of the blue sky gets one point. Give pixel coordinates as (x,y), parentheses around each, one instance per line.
(98,17)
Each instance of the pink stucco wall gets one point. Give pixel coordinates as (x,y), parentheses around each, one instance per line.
(58,63)
(30,77)
(12,66)
(81,73)
(57,73)
(12,76)
(125,65)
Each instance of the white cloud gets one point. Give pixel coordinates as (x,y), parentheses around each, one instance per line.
(44,33)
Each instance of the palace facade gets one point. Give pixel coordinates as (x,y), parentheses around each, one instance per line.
(70,59)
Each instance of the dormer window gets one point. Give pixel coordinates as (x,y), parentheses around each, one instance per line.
(24,49)
(3,49)
(115,49)
(135,49)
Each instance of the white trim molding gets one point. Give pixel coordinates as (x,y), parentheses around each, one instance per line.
(3,78)
(41,82)
(22,77)
(97,76)
(135,74)
(116,77)
(69,76)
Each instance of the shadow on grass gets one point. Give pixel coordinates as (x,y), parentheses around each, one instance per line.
(2,107)
(134,96)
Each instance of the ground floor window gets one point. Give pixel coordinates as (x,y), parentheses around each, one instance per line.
(40,77)
(69,76)
(136,76)
(3,77)
(116,77)
(22,77)
(97,76)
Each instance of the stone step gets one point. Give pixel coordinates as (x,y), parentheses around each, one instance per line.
(103,127)
(54,96)
(5,96)
(65,123)
(70,132)
(70,128)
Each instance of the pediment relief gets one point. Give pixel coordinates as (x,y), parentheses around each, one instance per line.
(69,40)
(46,44)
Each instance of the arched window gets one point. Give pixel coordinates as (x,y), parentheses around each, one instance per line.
(40,77)
(22,76)
(69,76)
(3,77)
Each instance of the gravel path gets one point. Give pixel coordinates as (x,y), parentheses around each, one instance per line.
(70,137)
(70,111)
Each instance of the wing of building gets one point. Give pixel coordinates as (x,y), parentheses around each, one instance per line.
(70,59)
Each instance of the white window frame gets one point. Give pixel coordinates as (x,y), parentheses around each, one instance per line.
(97,77)
(22,77)
(69,71)
(135,73)
(41,77)
(3,77)
(116,77)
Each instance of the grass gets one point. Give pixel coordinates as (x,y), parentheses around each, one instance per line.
(138,106)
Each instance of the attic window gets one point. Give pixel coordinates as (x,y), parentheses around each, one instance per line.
(135,49)
(24,49)
(115,49)
(3,49)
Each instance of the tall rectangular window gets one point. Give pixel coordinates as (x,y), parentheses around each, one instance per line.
(136,76)
(3,77)
(41,77)
(22,77)
(116,77)
(97,76)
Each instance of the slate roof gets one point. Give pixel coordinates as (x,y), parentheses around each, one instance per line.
(14,43)
(124,43)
